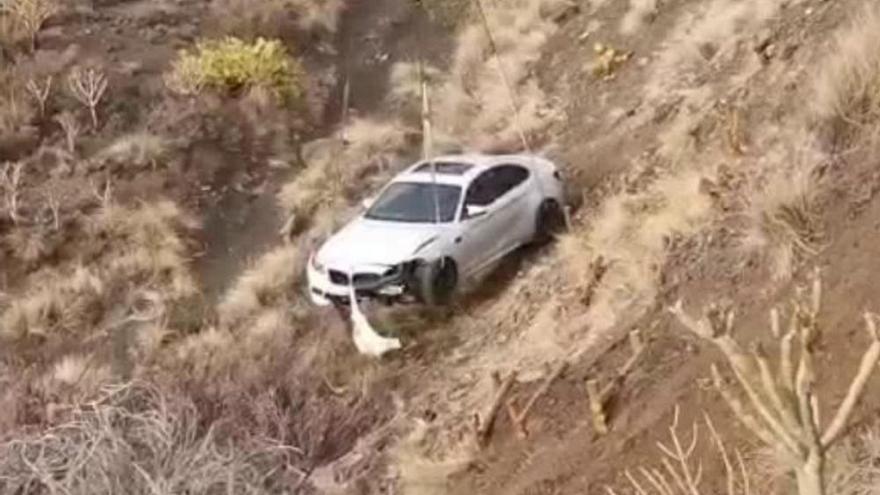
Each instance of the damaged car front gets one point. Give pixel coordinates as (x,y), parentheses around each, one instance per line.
(381,252)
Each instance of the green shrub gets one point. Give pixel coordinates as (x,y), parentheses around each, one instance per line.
(232,65)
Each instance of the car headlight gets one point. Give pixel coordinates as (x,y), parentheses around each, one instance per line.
(318,265)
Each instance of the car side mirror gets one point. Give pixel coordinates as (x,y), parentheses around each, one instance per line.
(473,211)
(368,202)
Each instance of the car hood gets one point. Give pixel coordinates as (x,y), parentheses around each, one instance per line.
(371,242)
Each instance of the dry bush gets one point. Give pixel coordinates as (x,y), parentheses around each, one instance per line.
(146,246)
(138,150)
(134,439)
(317,14)
(784,222)
(447,12)
(336,170)
(252,18)
(16,110)
(29,245)
(631,233)
(639,13)
(23,19)
(73,302)
(268,283)
(846,94)
(78,375)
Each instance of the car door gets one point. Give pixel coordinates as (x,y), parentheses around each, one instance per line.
(475,239)
(512,208)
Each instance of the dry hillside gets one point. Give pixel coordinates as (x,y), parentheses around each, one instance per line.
(704,325)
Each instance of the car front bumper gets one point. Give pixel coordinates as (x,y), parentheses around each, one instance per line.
(375,282)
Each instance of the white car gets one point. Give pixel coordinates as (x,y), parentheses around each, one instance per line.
(437,223)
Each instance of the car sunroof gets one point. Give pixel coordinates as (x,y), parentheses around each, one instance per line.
(446,168)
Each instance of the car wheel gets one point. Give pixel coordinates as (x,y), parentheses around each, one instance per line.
(549,221)
(436,281)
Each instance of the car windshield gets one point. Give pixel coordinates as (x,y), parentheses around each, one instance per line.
(414,202)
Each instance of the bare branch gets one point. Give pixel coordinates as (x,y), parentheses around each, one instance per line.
(857,387)
(88,87)
(40,93)
(519,418)
(484,427)
(55,208)
(70,125)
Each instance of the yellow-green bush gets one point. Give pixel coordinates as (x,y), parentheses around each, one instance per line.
(231,65)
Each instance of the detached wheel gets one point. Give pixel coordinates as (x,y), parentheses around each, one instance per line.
(549,221)
(436,281)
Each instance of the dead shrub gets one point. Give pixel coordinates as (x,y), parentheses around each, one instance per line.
(846,91)
(137,150)
(784,222)
(23,19)
(251,18)
(16,110)
(134,439)
(72,303)
(29,245)
(146,246)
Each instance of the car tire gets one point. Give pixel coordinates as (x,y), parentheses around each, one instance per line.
(436,281)
(549,221)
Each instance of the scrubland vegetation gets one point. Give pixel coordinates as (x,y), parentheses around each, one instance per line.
(119,372)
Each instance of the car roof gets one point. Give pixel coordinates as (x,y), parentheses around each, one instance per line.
(462,170)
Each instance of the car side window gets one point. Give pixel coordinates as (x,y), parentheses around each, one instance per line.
(510,176)
(494,183)
(480,192)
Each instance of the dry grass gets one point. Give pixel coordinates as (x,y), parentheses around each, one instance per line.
(147,246)
(477,109)
(784,222)
(29,245)
(847,85)
(16,109)
(127,250)
(269,283)
(631,233)
(336,172)
(21,20)
(72,303)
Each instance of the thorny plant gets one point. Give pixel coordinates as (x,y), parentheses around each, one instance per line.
(70,125)
(782,410)
(40,92)
(88,87)
(680,473)
(10,181)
